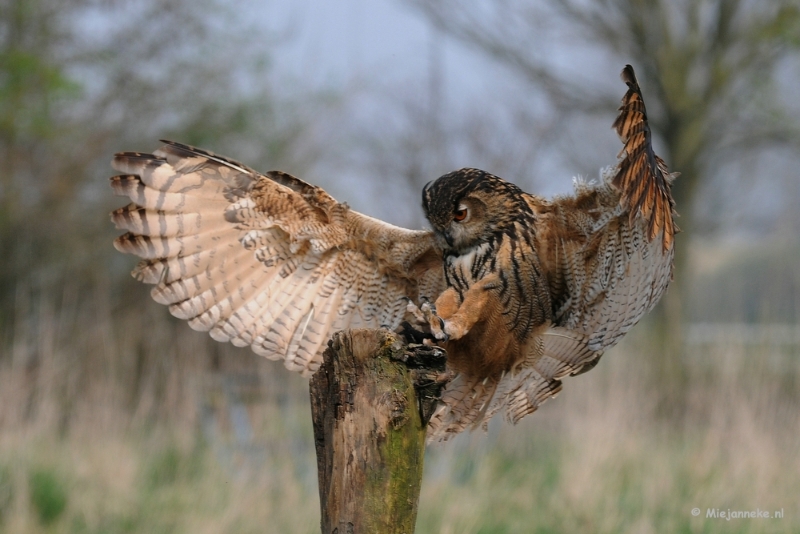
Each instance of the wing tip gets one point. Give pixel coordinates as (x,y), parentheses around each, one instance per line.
(643,179)
(176,149)
(134,163)
(628,75)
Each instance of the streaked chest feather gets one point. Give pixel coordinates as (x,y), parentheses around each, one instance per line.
(464,270)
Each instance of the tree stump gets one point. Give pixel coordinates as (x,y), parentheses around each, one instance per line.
(369,435)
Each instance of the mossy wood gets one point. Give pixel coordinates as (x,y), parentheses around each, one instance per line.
(369,436)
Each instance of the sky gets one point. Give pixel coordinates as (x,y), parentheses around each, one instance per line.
(387,47)
(390,49)
(383,49)
(338,42)
(378,52)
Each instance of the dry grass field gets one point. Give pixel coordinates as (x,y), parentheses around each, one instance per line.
(135,423)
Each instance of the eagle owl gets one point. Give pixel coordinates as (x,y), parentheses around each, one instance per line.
(521,291)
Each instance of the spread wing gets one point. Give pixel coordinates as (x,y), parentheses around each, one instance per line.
(264,260)
(608,251)
(614,241)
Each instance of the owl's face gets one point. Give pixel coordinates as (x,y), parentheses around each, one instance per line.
(467,207)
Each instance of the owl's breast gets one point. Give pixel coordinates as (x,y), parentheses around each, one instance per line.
(464,270)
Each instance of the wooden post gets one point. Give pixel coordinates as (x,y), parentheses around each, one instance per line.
(368,434)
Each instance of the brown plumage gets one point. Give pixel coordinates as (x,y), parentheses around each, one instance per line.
(642,176)
(264,260)
(525,291)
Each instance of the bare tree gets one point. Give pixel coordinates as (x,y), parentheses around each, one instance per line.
(709,71)
(80,80)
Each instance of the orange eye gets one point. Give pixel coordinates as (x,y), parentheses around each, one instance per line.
(460,215)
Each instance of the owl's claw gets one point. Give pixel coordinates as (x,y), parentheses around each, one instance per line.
(436,323)
(437,327)
(413,335)
(425,314)
(412,308)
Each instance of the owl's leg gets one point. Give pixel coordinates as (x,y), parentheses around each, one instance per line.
(435,315)
(458,322)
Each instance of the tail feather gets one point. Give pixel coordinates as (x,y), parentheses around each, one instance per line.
(470,401)
(464,403)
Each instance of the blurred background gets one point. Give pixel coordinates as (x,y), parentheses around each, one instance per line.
(115,417)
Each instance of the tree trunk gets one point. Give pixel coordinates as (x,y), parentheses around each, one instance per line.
(369,435)
(670,375)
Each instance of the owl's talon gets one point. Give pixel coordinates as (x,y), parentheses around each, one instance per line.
(425,315)
(413,335)
(437,326)
(440,334)
(428,308)
(412,308)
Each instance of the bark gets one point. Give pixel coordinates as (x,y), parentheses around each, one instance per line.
(369,435)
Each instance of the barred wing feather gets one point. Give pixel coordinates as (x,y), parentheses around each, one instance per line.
(609,251)
(616,238)
(264,260)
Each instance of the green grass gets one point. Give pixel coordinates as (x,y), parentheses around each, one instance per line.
(48,495)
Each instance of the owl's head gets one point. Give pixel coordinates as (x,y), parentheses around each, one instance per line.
(468,207)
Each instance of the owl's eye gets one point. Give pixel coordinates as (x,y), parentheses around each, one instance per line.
(460,215)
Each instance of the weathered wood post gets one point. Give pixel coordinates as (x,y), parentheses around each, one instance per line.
(369,435)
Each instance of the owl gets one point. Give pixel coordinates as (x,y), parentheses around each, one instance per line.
(521,291)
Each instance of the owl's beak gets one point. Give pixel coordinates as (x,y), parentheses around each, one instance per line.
(448,238)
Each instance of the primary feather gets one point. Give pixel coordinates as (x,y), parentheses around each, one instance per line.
(264,260)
